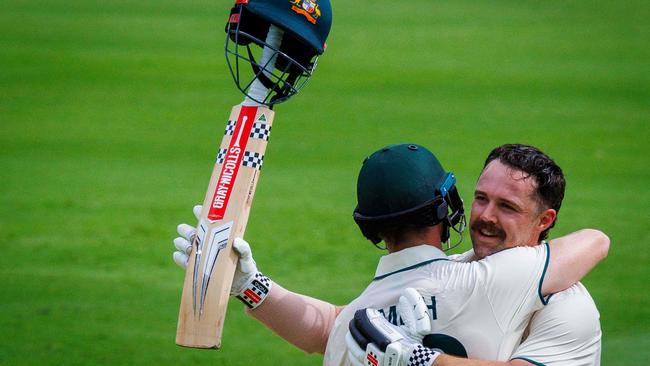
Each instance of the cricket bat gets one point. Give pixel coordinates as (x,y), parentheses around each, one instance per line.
(226,207)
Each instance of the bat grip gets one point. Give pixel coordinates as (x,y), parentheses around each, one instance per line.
(257,90)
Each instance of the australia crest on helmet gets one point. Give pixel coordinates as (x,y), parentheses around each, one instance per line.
(308,8)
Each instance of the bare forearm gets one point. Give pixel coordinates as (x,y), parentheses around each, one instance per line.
(446,360)
(572,257)
(302,321)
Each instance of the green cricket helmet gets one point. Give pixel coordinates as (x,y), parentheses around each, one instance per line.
(405,185)
(305,25)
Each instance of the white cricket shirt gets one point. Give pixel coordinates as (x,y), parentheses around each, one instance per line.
(484,305)
(565,332)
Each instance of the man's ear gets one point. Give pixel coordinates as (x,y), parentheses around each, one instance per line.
(546,219)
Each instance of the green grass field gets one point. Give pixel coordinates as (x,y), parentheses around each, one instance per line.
(111,113)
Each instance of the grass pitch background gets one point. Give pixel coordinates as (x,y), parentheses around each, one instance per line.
(111,113)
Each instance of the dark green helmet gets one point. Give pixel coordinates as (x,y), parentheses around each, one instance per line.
(405,184)
(305,25)
(309,21)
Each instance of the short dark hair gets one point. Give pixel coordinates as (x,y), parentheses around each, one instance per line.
(534,163)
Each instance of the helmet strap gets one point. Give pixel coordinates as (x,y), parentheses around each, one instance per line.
(453,221)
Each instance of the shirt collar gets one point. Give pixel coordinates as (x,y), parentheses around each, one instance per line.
(409,257)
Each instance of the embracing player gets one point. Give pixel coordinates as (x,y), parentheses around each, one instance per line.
(407,199)
(566,331)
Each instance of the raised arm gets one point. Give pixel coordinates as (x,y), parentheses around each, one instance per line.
(572,257)
(446,360)
(302,321)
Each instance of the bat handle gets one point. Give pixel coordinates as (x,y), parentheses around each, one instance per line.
(267,63)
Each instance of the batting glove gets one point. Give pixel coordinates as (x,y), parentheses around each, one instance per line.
(415,314)
(249,284)
(374,341)
(183,243)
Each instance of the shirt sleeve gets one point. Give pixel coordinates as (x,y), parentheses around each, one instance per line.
(564,333)
(513,284)
(465,257)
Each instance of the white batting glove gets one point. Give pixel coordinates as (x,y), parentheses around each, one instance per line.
(415,315)
(249,285)
(183,243)
(373,341)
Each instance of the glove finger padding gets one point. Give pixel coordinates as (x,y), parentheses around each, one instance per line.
(385,344)
(356,334)
(184,248)
(380,339)
(375,328)
(183,245)
(415,314)
(196,210)
(246,263)
(186,231)
(181,259)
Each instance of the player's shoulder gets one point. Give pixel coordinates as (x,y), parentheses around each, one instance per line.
(564,332)
(508,258)
(515,270)
(499,270)
(520,259)
(573,306)
(578,289)
(577,293)
(464,257)
(572,311)
(520,251)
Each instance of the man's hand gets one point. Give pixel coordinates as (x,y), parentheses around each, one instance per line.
(374,341)
(183,243)
(249,285)
(415,314)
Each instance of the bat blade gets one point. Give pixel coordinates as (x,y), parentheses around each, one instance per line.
(226,208)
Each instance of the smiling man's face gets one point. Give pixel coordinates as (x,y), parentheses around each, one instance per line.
(505,211)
